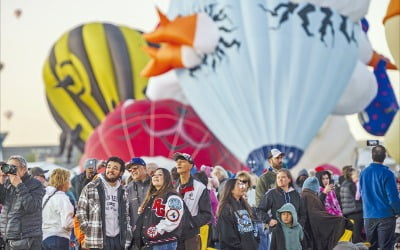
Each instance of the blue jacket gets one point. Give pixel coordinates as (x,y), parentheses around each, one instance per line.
(379,192)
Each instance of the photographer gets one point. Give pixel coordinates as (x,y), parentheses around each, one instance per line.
(21,215)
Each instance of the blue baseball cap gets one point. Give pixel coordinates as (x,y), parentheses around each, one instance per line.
(136,161)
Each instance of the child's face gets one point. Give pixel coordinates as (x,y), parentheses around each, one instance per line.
(286,218)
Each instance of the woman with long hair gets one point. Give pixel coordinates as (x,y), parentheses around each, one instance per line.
(57,212)
(235,218)
(159,223)
(327,193)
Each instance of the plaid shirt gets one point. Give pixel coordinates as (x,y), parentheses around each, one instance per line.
(91,215)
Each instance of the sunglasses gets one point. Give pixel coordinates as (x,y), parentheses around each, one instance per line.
(244,181)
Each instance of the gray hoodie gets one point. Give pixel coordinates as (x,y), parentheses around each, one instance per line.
(294,234)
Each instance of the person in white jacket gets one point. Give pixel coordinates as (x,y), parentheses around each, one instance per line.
(57,212)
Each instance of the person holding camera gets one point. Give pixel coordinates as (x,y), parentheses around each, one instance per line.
(21,215)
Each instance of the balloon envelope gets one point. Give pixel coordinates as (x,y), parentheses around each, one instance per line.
(89,70)
(159,128)
(329,146)
(273,78)
(359,93)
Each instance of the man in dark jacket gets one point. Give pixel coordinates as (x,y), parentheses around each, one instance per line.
(21,215)
(137,188)
(81,180)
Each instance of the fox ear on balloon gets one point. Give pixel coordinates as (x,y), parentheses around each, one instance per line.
(90,69)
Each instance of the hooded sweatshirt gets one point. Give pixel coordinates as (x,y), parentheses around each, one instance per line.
(111,208)
(57,214)
(290,235)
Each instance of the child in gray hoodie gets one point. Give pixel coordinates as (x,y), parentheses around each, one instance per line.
(288,233)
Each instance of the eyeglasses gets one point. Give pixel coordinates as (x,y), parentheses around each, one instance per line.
(133,168)
(244,181)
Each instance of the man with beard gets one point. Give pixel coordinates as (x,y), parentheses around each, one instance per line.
(267,180)
(103,210)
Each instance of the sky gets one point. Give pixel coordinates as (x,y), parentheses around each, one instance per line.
(26,42)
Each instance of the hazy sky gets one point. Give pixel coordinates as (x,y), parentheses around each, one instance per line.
(27,40)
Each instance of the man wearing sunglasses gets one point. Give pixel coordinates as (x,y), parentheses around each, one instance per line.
(137,188)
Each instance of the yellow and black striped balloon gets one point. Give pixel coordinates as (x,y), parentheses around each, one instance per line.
(91,69)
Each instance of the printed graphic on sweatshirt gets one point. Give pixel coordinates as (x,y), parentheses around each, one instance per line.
(175,203)
(244,221)
(159,207)
(173,215)
(111,203)
(151,231)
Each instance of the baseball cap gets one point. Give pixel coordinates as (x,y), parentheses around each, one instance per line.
(274,153)
(136,161)
(90,163)
(37,171)
(183,156)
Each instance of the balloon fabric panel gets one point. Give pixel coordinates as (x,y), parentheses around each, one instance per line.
(276,74)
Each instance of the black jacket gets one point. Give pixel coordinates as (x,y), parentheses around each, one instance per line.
(275,199)
(235,227)
(348,196)
(160,221)
(21,215)
(78,183)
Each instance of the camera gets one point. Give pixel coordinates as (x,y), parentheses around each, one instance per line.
(8,169)
(372,142)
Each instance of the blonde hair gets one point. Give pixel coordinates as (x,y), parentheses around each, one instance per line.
(59,177)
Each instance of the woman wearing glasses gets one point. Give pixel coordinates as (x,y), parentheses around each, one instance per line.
(159,223)
(250,193)
(235,218)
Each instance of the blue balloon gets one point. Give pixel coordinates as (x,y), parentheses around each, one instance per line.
(378,116)
(276,74)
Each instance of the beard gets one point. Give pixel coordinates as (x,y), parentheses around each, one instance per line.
(112,180)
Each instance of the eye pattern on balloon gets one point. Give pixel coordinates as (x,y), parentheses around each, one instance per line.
(303,12)
(226,27)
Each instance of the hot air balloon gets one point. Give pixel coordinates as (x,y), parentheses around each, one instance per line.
(277,72)
(157,128)
(90,69)
(392,32)
(165,86)
(359,93)
(17,13)
(8,114)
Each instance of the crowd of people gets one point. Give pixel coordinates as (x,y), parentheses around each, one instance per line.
(198,208)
